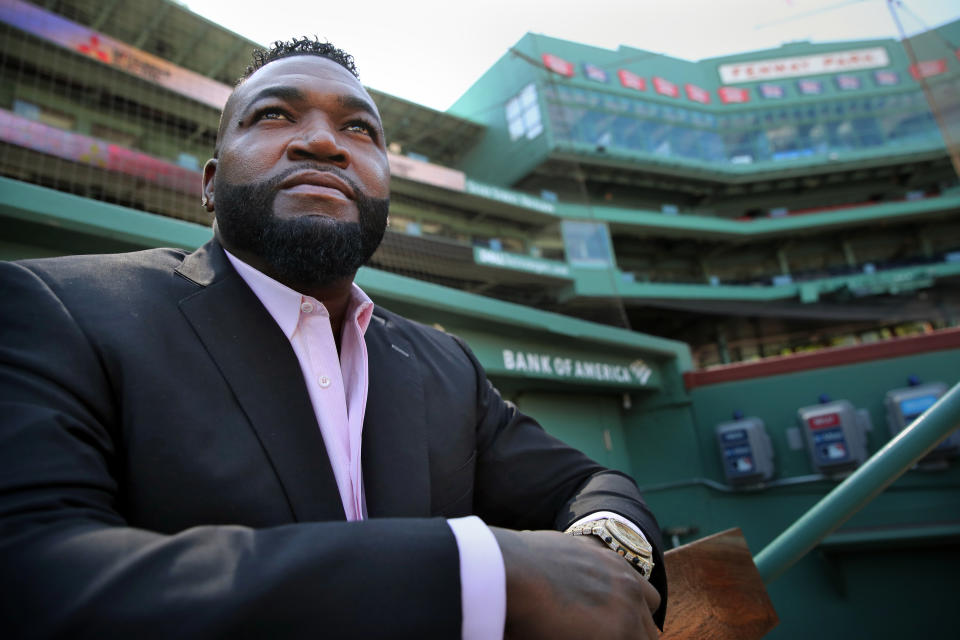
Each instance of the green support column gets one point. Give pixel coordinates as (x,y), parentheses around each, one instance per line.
(784,261)
(722,345)
(848,254)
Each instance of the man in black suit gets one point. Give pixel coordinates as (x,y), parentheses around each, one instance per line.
(162,473)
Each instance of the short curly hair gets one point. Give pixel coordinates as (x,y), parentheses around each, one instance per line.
(304,46)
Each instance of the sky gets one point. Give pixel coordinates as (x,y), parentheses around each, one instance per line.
(431,51)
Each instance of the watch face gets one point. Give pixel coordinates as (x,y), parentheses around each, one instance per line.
(628,538)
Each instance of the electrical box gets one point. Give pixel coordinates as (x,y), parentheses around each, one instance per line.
(746,451)
(836,436)
(905,405)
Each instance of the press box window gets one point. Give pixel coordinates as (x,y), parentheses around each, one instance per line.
(523,114)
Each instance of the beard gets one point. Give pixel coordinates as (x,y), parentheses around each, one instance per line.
(304,251)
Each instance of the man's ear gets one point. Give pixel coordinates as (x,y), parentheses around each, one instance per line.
(209,176)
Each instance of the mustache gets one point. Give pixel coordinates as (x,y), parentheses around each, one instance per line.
(274,183)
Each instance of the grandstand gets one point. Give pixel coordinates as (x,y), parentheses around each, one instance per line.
(749,205)
(603,227)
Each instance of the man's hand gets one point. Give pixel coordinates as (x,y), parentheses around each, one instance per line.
(561,586)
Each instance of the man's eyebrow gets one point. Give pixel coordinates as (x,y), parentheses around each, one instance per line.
(289,94)
(292,94)
(356,102)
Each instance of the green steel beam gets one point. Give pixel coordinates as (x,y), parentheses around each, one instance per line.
(645,223)
(29,202)
(231,55)
(383,285)
(890,281)
(891,535)
(191,44)
(861,487)
(104,14)
(530,210)
(730,173)
(24,201)
(154,22)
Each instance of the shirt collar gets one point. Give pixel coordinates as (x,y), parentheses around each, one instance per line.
(283,303)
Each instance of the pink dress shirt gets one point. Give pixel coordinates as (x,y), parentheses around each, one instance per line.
(337,385)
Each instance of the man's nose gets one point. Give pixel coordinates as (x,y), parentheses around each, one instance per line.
(319,140)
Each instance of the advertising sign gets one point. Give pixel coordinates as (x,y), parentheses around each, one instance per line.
(550,365)
(665,87)
(514,198)
(529,264)
(886,78)
(771,91)
(631,80)
(425,172)
(696,93)
(927,68)
(557,65)
(810,87)
(99,153)
(593,72)
(811,65)
(847,83)
(733,95)
(104,49)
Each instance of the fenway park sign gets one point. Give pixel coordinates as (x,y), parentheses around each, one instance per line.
(812,65)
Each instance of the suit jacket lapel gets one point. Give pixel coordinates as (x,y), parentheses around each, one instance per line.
(258,363)
(395,455)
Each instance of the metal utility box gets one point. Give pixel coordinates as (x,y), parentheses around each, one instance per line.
(836,437)
(745,450)
(907,404)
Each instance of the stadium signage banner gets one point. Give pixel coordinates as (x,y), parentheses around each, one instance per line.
(557,65)
(733,95)
(595,73)
(427,173)
(886,78)
(811,65)
(665,87)
(697,94)
(847,83)
(87,150)
(104,49)
(521,263)
(537,364)
(509,197)
(810,87)
(631,80)
(771,91)
(927,68)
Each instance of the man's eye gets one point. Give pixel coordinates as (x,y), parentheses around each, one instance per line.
(271,113)
(362,127)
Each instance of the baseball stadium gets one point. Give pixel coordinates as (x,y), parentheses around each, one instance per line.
(735,279)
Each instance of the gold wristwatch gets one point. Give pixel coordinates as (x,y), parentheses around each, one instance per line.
(622,539)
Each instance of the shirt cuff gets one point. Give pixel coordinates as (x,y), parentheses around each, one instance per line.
(483,580)
(599,515)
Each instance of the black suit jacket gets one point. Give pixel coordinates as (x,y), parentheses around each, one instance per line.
(162,473)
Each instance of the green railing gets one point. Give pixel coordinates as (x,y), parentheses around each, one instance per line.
(861,487)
